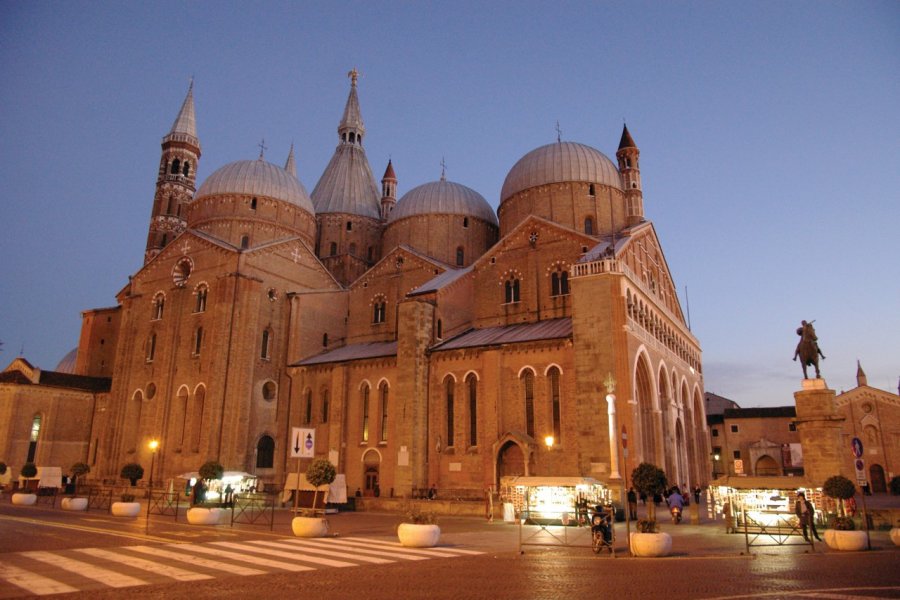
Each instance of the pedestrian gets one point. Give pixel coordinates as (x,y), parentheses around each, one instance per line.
(632,504)
(229,493)
(199,493)
(806,512)
(657,498)
(643,497)
(697,492)
(432,491)
(729,516)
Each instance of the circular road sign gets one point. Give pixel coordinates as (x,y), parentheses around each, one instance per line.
(856,446)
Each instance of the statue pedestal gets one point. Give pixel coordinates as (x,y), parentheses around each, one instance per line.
(819,427)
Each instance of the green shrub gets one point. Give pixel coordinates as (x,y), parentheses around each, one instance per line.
(3,468)
(646,526)
(320,472)
(839,487)
(843,524)
(28,470)
(79,469)
(127,497)
(132,472)
(211,470)
(414,514)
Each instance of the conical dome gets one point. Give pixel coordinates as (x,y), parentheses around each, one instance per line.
(256,178)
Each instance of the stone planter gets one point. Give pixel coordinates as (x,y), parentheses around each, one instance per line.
(205,516)
(74,503)
(24,499)
(125,509)
(309,526)
(895,536)
(845,540)
(651,544)
(415,535)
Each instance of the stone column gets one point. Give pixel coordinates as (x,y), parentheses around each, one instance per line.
(613,440)
(819,427)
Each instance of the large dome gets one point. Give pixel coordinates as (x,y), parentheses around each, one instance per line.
(560,162)
(443,197)
(256,178)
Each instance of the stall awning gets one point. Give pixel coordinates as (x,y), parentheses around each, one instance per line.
(761,483)
(548,481)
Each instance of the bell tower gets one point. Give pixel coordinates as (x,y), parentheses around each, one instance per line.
(388,191)
(630,168)
(176,181)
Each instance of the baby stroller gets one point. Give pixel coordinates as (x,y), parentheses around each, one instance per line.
(602,532)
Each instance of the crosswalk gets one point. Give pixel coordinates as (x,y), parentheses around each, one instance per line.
(42,573)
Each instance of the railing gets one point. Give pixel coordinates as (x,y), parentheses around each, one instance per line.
(771,529)
(253,509)
(570,529)
(596,267)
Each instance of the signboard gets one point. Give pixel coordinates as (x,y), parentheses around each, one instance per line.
(738,466)
(857,447)
(303,442)
(860,465)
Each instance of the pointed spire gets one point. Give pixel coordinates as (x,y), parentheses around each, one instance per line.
(351,128)
(861,378)
(389,172)
(290,165)
(626,141)
(186,122)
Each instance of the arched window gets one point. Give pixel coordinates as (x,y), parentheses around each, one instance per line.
(349,225)
(265,348)
(200,304)
(265,452)
(472,387)
(245,242)
(511,290)
(181,405)
(365,413)
(252,203)
(176,166)
(151,347)
(159,302)
(379,312)
(440,328)
(591,191)
(553,375)
(465,221)
(559,282)
(324,406)
(35,435)
(307,411)
(198,341)
(589,226)
(384,412)
(324,340)
(369,253)
(187,169)
(451,416)
(528,391)
(460,256)
(333,249)
(197,417)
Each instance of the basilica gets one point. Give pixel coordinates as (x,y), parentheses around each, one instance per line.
(426,340)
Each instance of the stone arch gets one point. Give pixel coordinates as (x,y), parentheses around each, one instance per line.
(648,414)
(550,366)
(766,466)
(471,372)
(526,368)
(371,472)
(451,375)
(513,455)
(664,394)
(876,478)
(680,473)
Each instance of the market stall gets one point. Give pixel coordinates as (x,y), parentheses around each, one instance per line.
(217,489)
(546,500)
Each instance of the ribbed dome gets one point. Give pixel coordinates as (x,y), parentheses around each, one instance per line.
(560,162)
(347,185)
(67,364)
(443,197)
(256,178)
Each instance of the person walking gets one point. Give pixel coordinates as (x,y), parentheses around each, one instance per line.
(806,512)
(632,504)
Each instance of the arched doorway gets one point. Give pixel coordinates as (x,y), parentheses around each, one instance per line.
(766,465)
(648,420)
(510,460)
(371,464)
(876,479)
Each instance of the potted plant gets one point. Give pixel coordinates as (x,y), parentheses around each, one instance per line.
(419,529)
(649,479)
(27,497)
(842,535)
(647,540)
(132,472)
(75,502)
(127,507)
(320,472)
(203,515)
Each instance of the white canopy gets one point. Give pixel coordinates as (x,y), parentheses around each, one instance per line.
(521,480)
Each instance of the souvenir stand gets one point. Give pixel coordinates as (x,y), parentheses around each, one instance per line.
(560,500)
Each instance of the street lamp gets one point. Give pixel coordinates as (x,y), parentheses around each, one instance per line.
(548,441)
(153,445)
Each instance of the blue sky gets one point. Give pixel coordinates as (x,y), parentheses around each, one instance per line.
(769,136)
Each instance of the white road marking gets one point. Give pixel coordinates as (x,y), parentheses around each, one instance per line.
(300,545)
(32,582)
(264,562)
(147,565)
(104,576)
(198,561)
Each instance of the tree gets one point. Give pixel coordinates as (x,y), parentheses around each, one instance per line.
(320,472)
(3,468)
(79,469)
(839,487)
(211,470)
(649,480)
(132,472)
(28,471)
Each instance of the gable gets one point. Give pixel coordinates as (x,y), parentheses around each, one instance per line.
(293,261)
(642,254)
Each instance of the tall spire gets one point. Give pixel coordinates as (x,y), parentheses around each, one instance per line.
(351,128)
(290,166)
(861,379)
(186,122)
(626,141)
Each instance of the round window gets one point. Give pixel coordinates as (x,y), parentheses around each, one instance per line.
(268,390)
(272,294)
(151,391)
(182,271)
(867,407)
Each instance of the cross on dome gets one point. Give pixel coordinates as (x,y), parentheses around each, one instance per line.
(353,75)
(262,148)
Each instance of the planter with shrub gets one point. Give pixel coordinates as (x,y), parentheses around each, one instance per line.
(127,507)
(320,472)
(843,535)
(419,529)
(647,540)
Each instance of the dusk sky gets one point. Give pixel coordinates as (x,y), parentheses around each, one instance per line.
(769,135)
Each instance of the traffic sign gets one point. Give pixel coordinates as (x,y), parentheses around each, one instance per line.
(624,437)
(856,446)
(303,442)
(860,465)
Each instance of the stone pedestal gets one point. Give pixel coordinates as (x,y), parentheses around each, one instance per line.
(819,427)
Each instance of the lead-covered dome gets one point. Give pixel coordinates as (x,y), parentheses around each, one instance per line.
(557,163)
(443,197)
(256,178)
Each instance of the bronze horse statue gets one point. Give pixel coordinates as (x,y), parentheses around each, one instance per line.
(808,348)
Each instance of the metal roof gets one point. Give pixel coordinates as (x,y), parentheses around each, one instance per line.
(256,178)
(510,334)
(347,184)
(443,197)
(438,282)
(351,352)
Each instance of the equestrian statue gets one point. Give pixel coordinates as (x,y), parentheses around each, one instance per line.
(808,348)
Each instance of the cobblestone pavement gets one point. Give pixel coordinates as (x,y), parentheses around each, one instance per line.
(705,563)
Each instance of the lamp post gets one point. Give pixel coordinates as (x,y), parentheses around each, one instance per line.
(715,458)
(548,441)
(153,445)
